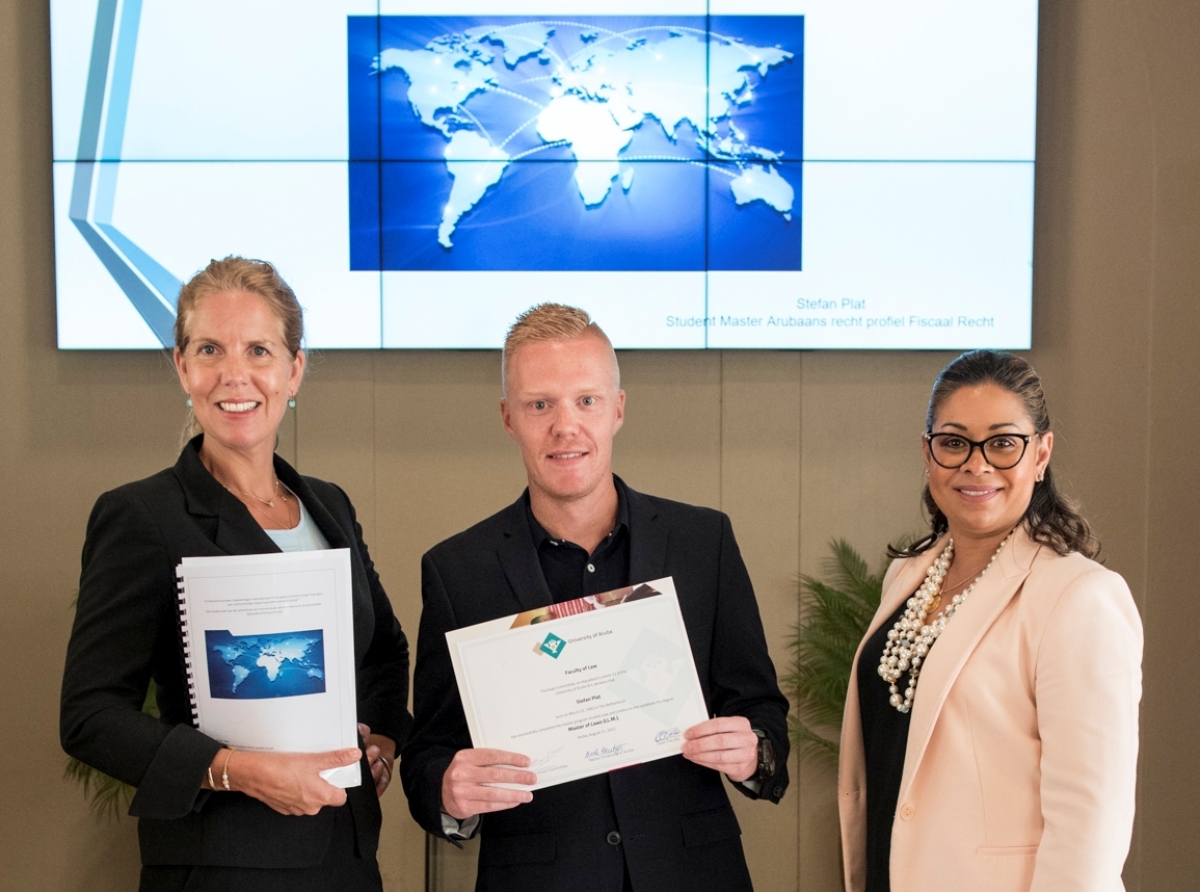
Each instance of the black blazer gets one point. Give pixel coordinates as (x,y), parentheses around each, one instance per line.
(127,631)
(673,824)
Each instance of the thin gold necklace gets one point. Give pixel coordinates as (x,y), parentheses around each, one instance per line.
(270,503)
(210,466)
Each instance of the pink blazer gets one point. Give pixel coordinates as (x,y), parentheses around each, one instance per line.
(1022,751)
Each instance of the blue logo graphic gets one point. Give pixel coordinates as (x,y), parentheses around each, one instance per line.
(278,664)
(605,142)
(553,645)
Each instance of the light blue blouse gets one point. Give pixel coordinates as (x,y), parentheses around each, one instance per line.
(304,536)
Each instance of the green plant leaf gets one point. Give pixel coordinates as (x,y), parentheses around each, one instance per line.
(834,615)
(109,798)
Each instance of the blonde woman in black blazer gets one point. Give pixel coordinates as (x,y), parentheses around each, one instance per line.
(282,826)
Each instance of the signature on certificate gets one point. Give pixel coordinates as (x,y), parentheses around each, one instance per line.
(605,752)
(536,764)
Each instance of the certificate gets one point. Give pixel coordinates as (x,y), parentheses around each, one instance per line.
(582,687)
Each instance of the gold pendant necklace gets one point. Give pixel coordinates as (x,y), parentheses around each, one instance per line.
(270,503)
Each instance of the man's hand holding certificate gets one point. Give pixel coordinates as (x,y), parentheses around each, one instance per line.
(580,688)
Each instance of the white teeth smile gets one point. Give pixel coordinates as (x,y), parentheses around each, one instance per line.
(567,455)
(975,492)
(238,407)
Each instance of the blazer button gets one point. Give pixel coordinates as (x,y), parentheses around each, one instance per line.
(778,792)
(614,838)
(907,811)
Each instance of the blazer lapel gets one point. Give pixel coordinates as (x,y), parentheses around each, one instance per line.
(338,537)
(333,532)
(518,557)
(908,579)
(236,532)
(852,774)
(963,634)
(648,537)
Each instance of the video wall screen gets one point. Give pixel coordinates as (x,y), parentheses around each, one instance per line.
(724,174)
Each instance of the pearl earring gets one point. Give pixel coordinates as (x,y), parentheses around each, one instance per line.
(189,402)
(291,402)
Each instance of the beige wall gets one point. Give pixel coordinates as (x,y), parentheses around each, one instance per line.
(797,447)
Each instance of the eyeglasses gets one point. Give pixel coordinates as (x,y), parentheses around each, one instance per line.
(1003,451)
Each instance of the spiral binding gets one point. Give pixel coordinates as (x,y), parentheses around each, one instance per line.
(188,668)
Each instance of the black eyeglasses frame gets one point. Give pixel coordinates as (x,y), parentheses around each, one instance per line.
(930,436)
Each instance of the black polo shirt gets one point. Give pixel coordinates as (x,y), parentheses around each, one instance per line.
(571,572)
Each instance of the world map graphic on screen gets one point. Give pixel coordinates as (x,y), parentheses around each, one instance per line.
(600,143)
(770,174)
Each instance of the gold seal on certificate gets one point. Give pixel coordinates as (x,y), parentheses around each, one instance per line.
(582,687)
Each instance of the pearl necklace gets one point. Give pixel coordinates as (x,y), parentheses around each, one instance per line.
(908,641)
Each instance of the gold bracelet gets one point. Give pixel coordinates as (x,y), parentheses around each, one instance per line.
(212,784)
(225,772)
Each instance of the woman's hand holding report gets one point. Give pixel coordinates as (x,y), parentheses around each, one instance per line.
(290,783)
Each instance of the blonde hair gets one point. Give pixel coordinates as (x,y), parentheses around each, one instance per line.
(238,274)
(551,322)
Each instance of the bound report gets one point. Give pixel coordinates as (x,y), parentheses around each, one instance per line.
(269,643)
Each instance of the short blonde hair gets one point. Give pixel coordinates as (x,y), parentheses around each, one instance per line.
(551,322)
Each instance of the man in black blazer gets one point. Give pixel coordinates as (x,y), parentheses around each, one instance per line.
(579,530)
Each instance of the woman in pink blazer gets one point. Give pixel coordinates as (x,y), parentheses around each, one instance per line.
(991,726)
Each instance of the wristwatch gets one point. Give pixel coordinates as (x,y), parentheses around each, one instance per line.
(766,757)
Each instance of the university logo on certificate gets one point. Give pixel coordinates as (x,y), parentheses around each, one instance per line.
(582,687)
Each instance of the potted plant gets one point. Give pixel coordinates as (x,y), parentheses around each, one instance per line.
(834,615)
